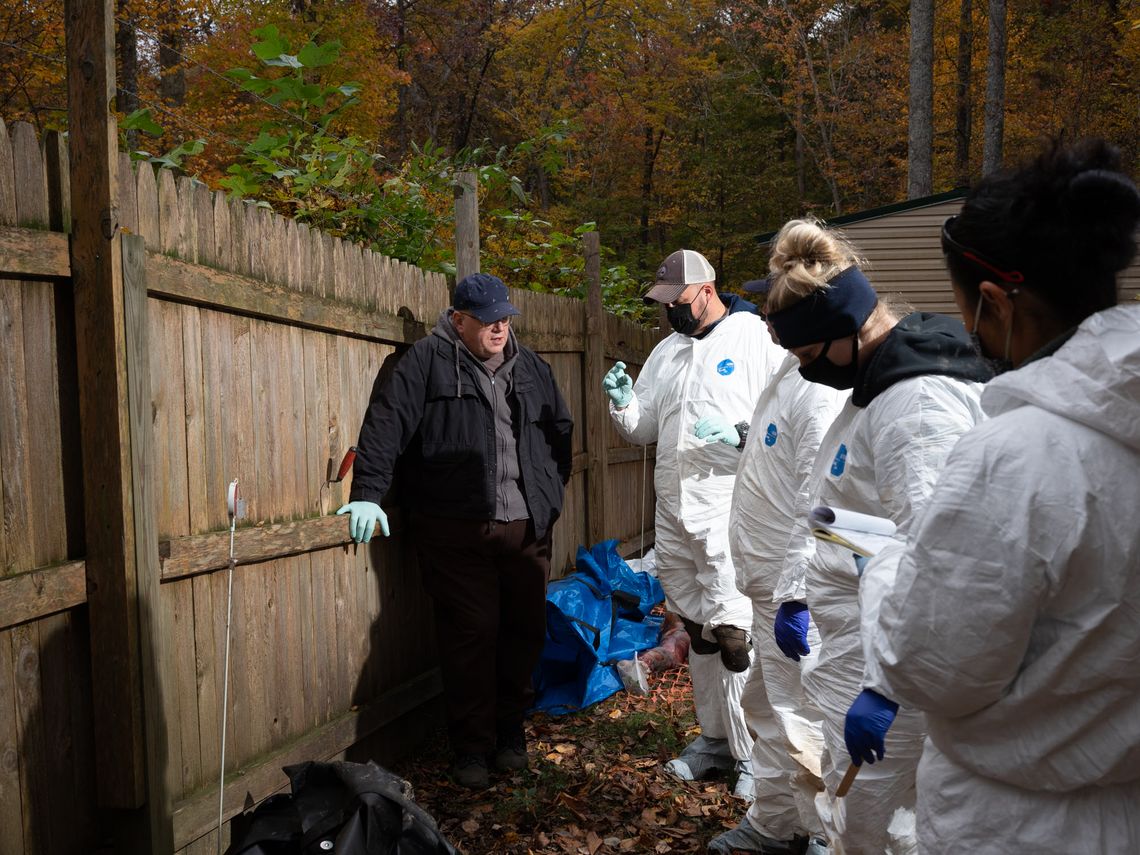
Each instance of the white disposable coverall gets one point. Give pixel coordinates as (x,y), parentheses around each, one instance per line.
(686,379)
(883,460)
(1014,621)
(771,494)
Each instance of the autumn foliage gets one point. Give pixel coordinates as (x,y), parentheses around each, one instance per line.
(700,123)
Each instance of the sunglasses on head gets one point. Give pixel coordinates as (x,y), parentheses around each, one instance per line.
(1011,277)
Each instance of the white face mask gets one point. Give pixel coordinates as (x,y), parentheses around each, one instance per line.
(998,365)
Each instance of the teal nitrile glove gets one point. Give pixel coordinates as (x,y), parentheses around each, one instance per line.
(618,385)
(362,520)
(717,429)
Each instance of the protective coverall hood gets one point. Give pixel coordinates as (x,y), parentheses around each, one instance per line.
(1013,619)
(1107,400)
(921,344)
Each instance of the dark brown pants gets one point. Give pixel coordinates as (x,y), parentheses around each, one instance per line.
(487,581)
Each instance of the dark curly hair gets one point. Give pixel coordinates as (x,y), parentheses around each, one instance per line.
(1065,222)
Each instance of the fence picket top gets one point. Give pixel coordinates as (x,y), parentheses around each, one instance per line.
(7,179)
(292,256)
(58,181)
(127,192)
(328,265)
(253,240)
(203,204)
(239,242)
(277,246)
(30,178)
(146,201)
(169,219)
(187,248)
(222,251)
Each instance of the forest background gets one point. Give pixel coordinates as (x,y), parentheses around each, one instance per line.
(662,123)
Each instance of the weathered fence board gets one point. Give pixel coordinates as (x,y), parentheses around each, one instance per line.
(263,339)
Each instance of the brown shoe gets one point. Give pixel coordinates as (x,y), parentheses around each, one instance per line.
(470,771)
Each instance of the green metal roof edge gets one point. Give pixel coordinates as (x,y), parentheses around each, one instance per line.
(885,210)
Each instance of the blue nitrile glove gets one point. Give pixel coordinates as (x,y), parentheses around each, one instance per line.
(868,721)
(362,520)
(860,563)
(618,385)
(791,628)
(717,429)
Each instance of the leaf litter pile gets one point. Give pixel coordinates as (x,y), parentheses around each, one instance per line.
(595,784)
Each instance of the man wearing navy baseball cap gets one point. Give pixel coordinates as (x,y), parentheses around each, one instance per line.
(479,425)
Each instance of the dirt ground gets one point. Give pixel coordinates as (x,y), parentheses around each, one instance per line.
(595,785)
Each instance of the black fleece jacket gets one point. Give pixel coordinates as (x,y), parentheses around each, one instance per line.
(433,415)
(922,343)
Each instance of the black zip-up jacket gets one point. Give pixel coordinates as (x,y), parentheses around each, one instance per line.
(434,416)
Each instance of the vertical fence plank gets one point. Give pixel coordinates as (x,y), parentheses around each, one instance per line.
(14,433)
(31,179)
(203,205)
(187,248)
(169,214)
(11,799)
(128,193)
(58,188)
(149,219)
(596,404)
(157,664)
(7,179)
(223,248)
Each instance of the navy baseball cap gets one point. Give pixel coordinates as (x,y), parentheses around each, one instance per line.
(758,286)
(484,297)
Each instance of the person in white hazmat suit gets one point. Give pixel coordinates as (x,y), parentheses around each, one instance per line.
(915,385)
(693,397)
(790,420)
(1014,620)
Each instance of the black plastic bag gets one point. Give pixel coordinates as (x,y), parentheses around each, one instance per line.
(340,808)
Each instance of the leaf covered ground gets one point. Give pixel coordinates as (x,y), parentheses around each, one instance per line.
(595,785)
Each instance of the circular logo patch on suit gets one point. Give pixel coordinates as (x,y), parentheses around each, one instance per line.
(725,366)
(771,435)
(840,461)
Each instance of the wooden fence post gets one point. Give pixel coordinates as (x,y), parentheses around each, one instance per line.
(466,226)
(157,665)
(102,372)
(597,403)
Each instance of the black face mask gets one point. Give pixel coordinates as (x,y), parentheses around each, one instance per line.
(823,370)
(681,317)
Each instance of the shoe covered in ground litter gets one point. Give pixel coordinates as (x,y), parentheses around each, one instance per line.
(510,754)
(745,838)
(745,786)
(701,758)
(470,771)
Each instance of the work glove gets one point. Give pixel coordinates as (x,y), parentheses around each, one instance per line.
(362,520)
(868,721)
(791,628)
(717,429)
(618,385)
(734,647)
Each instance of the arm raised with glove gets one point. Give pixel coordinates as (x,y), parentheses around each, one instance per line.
(865,729)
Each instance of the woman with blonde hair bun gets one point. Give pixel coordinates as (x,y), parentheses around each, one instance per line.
(915,386)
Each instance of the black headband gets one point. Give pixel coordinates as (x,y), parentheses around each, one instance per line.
(831,313)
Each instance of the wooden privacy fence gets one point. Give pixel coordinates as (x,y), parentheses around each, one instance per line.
(250,345)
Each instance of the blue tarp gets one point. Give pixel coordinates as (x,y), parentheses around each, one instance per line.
(595,617)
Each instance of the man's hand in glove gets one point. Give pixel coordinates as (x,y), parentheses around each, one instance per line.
(618,385)
(791,628)
(362,520)
(868,721)
(717,429)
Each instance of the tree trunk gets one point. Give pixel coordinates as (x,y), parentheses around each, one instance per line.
(172,85)
(646,192)
(920,133)
(994,131)
(963,116)
(127,47)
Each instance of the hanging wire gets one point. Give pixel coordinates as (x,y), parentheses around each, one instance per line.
(59,60)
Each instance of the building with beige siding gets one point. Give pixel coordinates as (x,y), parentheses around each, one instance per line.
(903,247)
